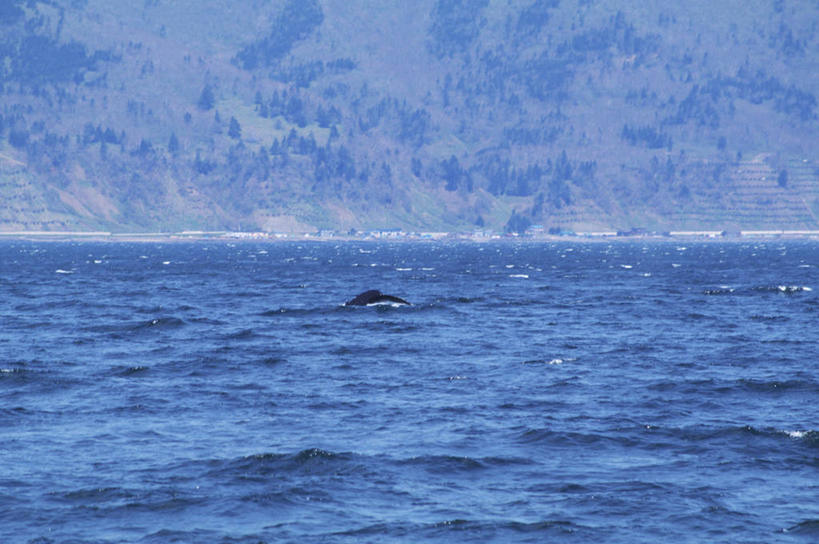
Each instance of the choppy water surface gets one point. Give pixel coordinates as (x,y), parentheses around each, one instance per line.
(567,392)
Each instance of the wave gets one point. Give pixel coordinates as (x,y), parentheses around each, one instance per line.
(438,304)
(150,500)
(778,289)
(809,438)
(554,361)
(244,334)
(770,318)
(317,462)
(696,316)
(695,438)
(14,414)
(37,377)
(49,305)
(743,436)
(301,312)
(448,464)
(573,438)
(196,535)
(458,529)
(719,291)
(207,321)
(704,387)
(162,323)
(465,300)
(260,466)
(126,371)
(13,372)
(150,310)
(118,328)
(94,495)
(808,527)
(786,289)
(392,326)
(287,496)
(773,386)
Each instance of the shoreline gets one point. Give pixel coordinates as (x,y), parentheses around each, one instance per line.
(401,237)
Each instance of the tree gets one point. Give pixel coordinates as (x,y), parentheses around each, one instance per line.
(455,26)
(206,99)
(145,148)
(297,19)
(517,224)
(18,138)
(10,13)
(416,167)
(454,175)
(173,145)
(235,130)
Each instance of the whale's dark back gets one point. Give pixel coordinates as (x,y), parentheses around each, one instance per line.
(374,296)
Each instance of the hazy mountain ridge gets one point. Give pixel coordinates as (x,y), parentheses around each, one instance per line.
(443,115)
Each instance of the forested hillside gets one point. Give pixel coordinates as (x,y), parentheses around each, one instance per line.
(429,115)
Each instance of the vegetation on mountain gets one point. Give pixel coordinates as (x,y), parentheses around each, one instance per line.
(443,114)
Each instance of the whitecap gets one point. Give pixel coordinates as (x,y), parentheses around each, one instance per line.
(403,269)
(166,262)
(427,269)
(523,276)
(675,265)
(554,361)
(626,266)
(793,288)
(61,271)
(797,434)
(510,266)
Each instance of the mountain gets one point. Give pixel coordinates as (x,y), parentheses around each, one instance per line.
(288,115)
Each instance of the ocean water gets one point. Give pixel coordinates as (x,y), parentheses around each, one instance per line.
(534,392)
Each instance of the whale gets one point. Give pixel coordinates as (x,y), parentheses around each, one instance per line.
(375,297)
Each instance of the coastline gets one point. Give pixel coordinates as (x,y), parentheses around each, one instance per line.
(400,236)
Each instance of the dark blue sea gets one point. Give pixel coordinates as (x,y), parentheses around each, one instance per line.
(601,392)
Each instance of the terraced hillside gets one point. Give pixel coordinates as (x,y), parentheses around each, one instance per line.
(758,196)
